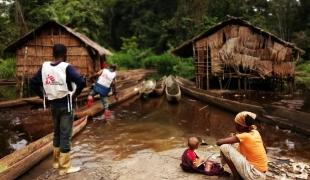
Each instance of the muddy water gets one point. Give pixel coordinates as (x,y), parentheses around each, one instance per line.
(154,131)
(21,125)
(297,101)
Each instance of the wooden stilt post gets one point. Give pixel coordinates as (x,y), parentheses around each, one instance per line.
(239,84)
(220,82)
(23,75)
(207,67)
(196,67)
(245,83)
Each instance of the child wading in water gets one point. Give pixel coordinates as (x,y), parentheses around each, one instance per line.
(192,163)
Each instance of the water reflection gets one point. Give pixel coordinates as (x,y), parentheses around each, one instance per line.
(20,126)
(155,124)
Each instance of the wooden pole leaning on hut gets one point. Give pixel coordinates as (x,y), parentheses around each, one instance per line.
(23,75)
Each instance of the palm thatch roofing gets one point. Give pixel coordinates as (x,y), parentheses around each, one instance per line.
(186,48)
(88,42)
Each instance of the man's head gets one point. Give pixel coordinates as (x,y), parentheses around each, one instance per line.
(193,143)
(113,67)
(60,52)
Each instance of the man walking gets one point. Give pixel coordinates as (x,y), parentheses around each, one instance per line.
(60,83)
(103,86)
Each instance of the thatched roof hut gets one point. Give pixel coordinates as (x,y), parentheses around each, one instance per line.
(237,49)
(36,47)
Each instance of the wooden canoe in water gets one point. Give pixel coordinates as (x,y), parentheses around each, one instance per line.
(147,87)
(20,161)
(172,90)
(160,86)
(280,116)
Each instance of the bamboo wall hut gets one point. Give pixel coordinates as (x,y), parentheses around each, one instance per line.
(36,47)
(236,50)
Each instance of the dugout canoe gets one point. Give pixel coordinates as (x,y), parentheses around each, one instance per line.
(36,128)
(160,86)
(125,78)
(147,87)
(296,121)
(20,161)
(172,90)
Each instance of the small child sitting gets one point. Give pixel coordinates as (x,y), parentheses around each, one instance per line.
(192,163)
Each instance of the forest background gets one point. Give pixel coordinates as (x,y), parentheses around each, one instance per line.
(141,32)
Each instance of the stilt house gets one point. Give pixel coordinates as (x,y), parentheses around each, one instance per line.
(234,52)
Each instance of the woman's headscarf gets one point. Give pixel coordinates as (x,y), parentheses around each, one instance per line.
(240,118)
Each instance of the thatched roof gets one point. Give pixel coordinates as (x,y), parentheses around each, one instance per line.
(88,42)
(186,49)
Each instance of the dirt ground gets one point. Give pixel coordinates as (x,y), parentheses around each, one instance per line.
(145,164)
(151,165)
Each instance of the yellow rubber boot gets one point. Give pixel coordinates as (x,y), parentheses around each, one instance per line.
(56,154)
(65,165)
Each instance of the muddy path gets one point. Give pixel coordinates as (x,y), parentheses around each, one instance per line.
(146,139)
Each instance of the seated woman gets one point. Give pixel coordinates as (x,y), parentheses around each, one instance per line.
(192,163)
(250,160)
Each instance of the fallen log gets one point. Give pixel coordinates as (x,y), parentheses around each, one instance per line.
(18,162)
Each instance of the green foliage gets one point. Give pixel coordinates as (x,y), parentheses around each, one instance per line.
(304,67)
(125,60)
(130,57)
(129,45)
(185,68)
(163,63)
(303,74)
(167,64)
(7,68)
(156,25)
(8,92)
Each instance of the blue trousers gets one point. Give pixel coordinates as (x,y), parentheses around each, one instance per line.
(63,124)
(104,99)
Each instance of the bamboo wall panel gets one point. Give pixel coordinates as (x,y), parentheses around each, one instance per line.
(40,50)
